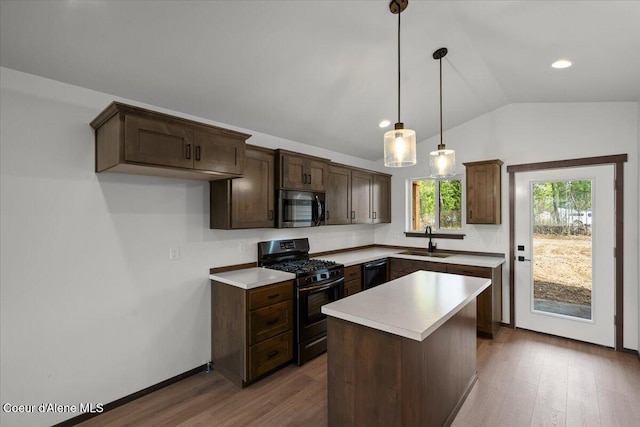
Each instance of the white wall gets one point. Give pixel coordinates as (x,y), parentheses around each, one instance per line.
(527,133)
(91,307)
(638,219)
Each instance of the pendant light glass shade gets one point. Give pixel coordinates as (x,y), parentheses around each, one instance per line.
(399,147)
(442,162)
(400,143)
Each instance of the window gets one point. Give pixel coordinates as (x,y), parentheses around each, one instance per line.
(446,214)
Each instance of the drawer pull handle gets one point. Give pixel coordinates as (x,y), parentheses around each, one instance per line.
(272,354)
(272,322)
(273,296)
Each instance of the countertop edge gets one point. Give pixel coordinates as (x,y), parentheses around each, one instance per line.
(403,332)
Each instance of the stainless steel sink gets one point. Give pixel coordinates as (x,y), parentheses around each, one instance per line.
(425,253)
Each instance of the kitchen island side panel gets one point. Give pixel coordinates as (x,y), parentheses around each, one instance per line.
(376,378)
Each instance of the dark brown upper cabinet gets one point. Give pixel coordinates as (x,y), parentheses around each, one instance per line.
(361,197)
(338,195)
(484,196)
(139,141)
(300,172)
(381,199)
(246,202)
(356,196)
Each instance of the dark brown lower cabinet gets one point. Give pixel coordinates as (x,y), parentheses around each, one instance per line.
(489,302)
(378,379)
(251,330)
(352,279)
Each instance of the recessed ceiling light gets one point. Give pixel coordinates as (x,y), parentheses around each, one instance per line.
(384,123)
(561,63)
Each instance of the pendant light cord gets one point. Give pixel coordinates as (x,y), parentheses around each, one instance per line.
(440,60)
(399,13)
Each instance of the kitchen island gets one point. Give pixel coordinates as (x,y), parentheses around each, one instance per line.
(403,353)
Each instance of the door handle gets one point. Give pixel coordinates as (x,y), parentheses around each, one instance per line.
(522,259)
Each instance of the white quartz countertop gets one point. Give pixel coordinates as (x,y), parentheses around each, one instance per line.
(359,256)
(365,255)
(249,278)
(413,306)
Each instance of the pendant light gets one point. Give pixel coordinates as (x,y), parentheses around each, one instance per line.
(442,162)
(400,143)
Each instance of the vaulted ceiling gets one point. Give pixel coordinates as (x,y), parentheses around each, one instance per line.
(325,72)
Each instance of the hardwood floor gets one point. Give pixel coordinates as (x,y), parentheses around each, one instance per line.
(524,379)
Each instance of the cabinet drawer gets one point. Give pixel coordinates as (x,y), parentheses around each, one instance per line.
(353,272)
(271,294)
(469,270)
(270,321)
(352,287)
(270,354)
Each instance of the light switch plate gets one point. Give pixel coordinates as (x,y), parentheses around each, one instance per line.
(174,253)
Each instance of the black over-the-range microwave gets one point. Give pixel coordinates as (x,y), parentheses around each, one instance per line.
(300,209)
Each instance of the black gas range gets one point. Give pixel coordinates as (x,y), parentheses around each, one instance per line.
(318,282)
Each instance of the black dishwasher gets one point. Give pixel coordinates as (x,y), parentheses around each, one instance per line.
(374,273)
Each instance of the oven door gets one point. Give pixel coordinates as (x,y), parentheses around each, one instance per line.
(311,321)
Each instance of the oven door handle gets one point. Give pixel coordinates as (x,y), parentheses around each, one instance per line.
(320,288)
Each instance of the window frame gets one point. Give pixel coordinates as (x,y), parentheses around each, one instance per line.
(410,207)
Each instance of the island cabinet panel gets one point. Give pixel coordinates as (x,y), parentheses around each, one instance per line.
(489,301)
(246,202)
(301,172)
(139,141)
(483,181)
(352,279)
(251,330)
(375,378)
(489,306)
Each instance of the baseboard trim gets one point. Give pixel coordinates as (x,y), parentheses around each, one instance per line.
(133,396)
(629,350)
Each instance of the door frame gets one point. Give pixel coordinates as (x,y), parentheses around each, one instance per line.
(618,161)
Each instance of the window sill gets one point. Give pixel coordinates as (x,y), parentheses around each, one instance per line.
(435,235)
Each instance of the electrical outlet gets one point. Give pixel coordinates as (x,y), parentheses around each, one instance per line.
(242,247)
(174,254)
